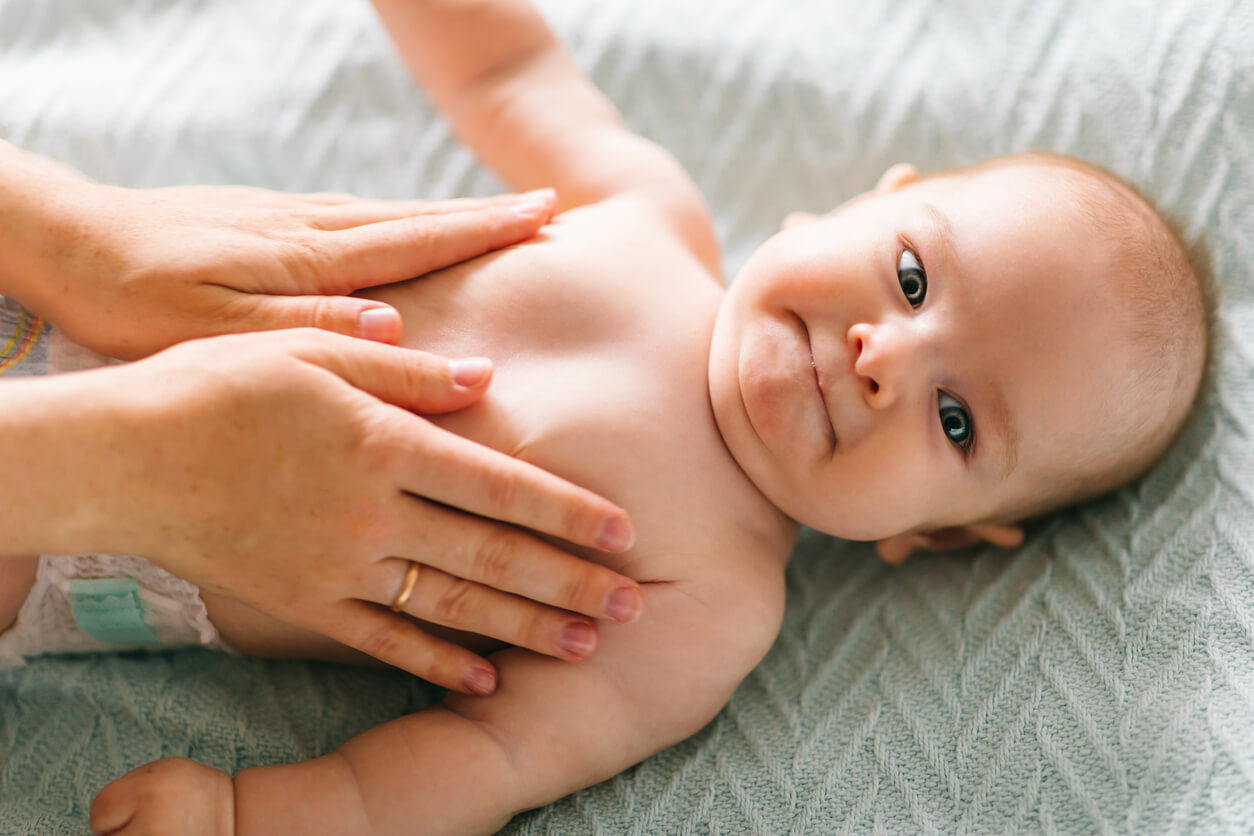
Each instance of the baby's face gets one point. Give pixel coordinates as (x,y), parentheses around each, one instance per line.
(924,356)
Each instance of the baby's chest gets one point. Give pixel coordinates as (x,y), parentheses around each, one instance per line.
(600,345)
(591,323)
(629,420)
(595,277)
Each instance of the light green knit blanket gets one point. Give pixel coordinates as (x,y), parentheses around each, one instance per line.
(1100,679)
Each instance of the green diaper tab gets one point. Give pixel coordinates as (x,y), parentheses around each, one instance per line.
(110,610)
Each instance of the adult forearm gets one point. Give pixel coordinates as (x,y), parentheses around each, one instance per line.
(57,436)
(37,224)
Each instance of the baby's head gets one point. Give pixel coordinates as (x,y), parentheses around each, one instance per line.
(941,358)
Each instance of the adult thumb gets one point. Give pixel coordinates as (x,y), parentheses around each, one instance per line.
(351,317)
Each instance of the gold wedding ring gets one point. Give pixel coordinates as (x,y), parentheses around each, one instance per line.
(407,587)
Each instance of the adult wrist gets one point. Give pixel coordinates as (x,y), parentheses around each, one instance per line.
(64,440)
(39,225)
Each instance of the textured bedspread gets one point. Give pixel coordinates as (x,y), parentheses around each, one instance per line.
(1101,679)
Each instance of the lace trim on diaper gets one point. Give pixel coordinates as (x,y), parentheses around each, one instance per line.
(172,608)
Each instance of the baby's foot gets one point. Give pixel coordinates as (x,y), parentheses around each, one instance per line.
(171,796)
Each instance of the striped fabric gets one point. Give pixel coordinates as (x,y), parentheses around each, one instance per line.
(22,348)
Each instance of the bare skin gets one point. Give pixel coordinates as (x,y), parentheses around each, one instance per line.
(128,272)
(131,272)
(716,418)
(716,582)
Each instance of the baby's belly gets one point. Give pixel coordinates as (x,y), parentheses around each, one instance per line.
(17,578)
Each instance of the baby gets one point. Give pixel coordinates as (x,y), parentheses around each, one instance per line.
(929,364)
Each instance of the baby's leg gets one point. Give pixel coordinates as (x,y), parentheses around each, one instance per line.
(17,577)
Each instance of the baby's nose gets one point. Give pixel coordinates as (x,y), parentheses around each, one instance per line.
(882,361)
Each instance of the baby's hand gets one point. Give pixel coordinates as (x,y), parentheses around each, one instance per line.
(897,548)
(172,797)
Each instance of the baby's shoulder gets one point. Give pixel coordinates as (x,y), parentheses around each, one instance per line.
(645,225)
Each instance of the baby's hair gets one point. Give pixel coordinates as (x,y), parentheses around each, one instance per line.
(1169,290)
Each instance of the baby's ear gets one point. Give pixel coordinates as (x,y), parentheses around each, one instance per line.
(793,219)
(897,176)
(898,548)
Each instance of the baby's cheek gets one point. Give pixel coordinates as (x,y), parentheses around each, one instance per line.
(875,492)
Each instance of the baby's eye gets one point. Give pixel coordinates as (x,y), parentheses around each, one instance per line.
(955,421)
(911,277)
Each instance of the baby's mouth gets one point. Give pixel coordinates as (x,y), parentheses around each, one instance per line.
(818,382)
(818,379)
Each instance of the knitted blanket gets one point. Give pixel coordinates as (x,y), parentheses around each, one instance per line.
(1098,679)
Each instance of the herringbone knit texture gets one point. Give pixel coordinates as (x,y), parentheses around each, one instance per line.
(1100,679)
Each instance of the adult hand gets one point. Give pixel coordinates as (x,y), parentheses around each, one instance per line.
(285,469)
(128,272)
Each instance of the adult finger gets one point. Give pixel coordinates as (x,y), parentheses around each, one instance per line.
(413,380)
(433,463)
(513,561)
(464,474)
(340,314)
(347,214)
(397,641)
(395,250)
(441,598)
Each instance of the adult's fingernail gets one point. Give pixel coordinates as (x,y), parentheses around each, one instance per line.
(624,605)
(379,324)
(481,681)
(577,639)
(532,204)
(470,371)
(615,535)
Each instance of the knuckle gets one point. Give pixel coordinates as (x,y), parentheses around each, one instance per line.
(325,313)
(420,231)
(379,525)
(541,629)
(581,518)
(502,489)
(415,238)
(381,642)
(443,667)
(495,556)
(310,261)
(577,590)
(454,603)
(377,439)
(420,374)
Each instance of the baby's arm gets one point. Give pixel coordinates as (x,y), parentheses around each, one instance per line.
(514,95)
(469,765)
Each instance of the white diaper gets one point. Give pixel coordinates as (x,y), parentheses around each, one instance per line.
(98,602)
